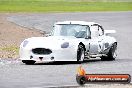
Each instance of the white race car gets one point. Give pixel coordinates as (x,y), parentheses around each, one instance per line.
(70,41)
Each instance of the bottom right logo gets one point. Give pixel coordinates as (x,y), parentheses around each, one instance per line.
(83,78)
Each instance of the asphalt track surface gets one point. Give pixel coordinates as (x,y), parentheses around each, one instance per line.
(14,74)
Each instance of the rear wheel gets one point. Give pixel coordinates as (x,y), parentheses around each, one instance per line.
(112,54)
(80,54)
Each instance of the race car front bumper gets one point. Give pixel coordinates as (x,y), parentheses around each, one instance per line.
(66,54)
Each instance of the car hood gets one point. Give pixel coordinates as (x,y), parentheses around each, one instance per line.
(52,42)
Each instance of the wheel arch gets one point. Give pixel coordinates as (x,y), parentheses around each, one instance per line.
(111,45)
(115,43)
(82,45)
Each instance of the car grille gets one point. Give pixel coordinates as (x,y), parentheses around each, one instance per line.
(42,51)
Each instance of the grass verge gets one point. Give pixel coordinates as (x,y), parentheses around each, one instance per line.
(61,6)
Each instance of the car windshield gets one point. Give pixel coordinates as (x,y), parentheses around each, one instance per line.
(76,30)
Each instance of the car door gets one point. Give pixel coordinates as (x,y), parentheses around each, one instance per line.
(96,41)
(100,39)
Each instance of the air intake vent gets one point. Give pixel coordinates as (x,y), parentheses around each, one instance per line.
(41,51)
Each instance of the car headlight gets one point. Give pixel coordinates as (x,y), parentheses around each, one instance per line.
(65,45)
(25,43)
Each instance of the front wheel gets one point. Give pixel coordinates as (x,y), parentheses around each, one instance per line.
(80,54)
(112,54)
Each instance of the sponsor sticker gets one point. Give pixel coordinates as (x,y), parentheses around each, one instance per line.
(83,78)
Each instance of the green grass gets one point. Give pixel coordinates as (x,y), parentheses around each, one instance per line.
(61,6)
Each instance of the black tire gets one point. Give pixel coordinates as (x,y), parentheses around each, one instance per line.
(111,54)
(28,62)
(80,54)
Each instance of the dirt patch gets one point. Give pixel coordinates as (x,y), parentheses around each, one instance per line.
(11,35)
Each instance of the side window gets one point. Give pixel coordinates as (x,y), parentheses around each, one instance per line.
(101,31)
(94,31)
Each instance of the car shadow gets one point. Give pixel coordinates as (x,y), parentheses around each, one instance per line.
(68,62)
(119,60)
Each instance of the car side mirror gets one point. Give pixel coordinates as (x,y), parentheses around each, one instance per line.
(88,37)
